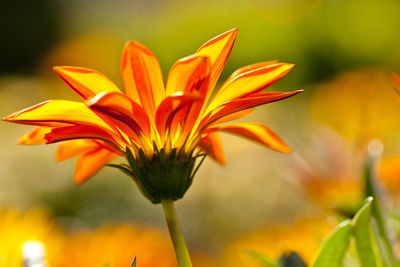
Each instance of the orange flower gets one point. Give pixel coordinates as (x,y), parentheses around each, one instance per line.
(154,120)
(115,246)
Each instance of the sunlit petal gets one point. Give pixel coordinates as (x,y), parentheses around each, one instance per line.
(250,68)
(79,132)
(35,136)
(256,132)
(90,162)
(218,50)
(169,108)
(122,108)
(211,143)
(142,76)
(242,104)
(249,83)
(85,82)
(189,74)
(69,149)
(55,113)
(234,116)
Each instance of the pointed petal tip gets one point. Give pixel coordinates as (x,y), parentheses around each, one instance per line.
(233,31)
(7,118)
(132,44)
(285,150)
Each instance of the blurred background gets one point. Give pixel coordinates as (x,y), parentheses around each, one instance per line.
(344,51)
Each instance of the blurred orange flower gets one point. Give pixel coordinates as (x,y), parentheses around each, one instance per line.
(353,103)
(18,228)
(176,118)
(116,246)
(303,236)
(359,105)
(330,172)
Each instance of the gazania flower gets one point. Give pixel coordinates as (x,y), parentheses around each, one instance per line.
(158,127)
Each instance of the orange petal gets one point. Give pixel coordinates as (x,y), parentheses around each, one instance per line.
(142,76)
(218,50)
(90,162)
(234,116)
(212,144)
(69,149)
(80,132)
(250,67)
(256,132)
(122,108)
(35,136)
(56,113)
(85,82)
(170,106)
(249,83)
(189,74)
(237,105)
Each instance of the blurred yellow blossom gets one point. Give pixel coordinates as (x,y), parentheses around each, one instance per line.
(116,246)
(303,236)
(359,105)
(17,228)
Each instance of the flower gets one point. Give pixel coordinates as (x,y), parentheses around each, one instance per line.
(116,245)
(156,127)
(17,229)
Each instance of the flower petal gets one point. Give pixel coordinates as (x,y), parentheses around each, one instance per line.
(56,113)
(212,144)
(218,50)
(170,106)
(188,75)
(35,136)
(122,108)
(237,105)
(234,116)
(250,67)
(142,76)
(249,83)
(69,149)
(80,132)
(85,82)
(90,162)
(256,132)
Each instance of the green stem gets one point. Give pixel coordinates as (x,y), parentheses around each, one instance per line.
(175,232)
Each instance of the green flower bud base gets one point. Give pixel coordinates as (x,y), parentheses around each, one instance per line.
(163,176)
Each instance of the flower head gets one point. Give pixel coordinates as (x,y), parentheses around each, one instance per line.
(158,127)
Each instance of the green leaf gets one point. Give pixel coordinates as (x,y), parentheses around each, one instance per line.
(334,247)
(261,258)
(366,243)
(371,190)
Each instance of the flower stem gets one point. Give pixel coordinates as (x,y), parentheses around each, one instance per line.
(175,232)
